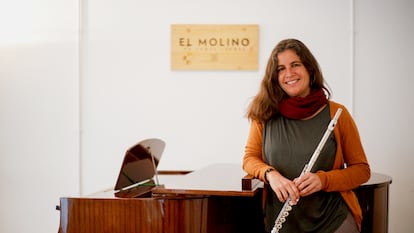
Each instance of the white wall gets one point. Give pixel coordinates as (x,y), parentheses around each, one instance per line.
(39,150)
(384,38)
(130,93)
(66,114)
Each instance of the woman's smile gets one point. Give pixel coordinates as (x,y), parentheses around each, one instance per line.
(292,74)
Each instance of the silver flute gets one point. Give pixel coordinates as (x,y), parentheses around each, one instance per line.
(284,212)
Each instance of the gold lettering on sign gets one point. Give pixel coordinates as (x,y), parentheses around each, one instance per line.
(214,47)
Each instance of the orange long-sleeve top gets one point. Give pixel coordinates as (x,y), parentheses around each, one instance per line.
(350,169)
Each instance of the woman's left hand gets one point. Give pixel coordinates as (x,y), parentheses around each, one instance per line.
(308,183)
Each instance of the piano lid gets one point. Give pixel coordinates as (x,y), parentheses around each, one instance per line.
(140,163)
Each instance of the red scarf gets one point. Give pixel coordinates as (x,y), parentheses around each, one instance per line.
(302,107)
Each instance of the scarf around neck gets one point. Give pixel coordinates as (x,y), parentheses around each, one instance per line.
(302,107)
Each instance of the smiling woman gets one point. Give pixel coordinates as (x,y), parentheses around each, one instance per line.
(293,108)
(293,77)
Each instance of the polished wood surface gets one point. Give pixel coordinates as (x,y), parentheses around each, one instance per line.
(215,179)
(211,199)
(373,197)
(207,200)
(123,215)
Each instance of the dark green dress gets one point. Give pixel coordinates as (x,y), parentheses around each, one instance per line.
(288,145)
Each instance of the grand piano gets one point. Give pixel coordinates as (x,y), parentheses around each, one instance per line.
(215,199)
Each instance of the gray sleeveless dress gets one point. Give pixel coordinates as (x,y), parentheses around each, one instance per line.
(288,145)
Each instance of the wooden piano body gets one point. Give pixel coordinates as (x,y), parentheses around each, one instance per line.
(208,200)
(216,199)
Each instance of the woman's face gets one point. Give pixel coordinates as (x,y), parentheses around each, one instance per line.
(293,77)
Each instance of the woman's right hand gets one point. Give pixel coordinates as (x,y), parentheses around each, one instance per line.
(283,187)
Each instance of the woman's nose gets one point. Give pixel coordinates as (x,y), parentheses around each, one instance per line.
(288,72)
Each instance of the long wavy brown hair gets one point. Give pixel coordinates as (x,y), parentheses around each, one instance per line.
(265,104)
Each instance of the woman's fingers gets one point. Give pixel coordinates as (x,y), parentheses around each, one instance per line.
(285,188)
(308,183)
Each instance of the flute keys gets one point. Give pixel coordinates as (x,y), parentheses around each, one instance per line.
(279,226)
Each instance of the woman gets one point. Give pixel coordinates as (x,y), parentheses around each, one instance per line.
(288,118)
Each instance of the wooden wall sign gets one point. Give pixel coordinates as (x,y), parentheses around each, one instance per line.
(214,47)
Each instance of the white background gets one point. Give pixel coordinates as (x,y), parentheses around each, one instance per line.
(81,81)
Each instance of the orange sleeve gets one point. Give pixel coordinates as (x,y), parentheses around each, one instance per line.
(253,162)
(351,167)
